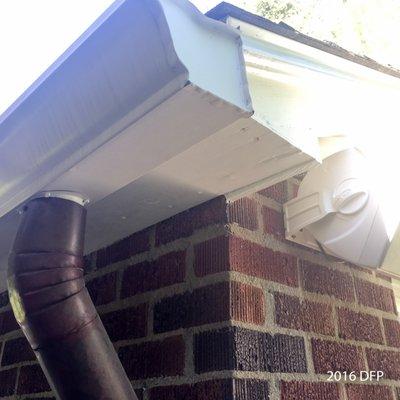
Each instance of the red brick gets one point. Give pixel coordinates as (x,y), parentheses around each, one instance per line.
(212,256)
(392,332)
(247,303)
(184,224)
(238,389)
(177,227)
(32,380)
(364,392)
(323,280)
(89,261)
(296,390)
(273,222)
(238,349)
(291,312)
(134,244)
(229,253)
(255,260)
(16,351)
(276,192)
(167,270)
(129,323)
(154,359)
(209,390)
(244,213)
(219,302)
(332,356)
(8,379)
(7,322)
(375,296)
(204,305)
(103,289)
(359,326)
(216,351)
(386,361)
(250,389)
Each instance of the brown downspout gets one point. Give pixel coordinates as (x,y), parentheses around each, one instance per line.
(53,307)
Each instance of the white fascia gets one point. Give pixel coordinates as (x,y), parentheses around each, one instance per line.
(277,48)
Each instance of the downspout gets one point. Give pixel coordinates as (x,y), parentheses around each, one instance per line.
(53,307)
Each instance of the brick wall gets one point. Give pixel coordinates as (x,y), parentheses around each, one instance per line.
(215,304)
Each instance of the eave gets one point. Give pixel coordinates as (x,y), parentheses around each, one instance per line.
(149,128)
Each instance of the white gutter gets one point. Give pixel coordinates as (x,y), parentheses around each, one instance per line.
(129,62)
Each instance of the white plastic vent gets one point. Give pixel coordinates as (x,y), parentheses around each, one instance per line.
(337,211)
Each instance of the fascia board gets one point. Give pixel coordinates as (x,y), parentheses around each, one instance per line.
(304,56)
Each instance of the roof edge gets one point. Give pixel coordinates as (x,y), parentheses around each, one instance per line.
(224,10)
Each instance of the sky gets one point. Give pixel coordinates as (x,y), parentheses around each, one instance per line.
(33,34)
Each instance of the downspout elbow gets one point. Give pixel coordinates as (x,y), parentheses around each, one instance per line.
(53,307)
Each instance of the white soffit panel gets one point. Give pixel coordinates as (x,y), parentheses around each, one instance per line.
(235,157)
(242,155)
(182,121)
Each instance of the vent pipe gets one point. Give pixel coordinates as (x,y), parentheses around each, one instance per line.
(53,307)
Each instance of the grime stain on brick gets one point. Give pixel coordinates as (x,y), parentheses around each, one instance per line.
(154,358)
(166,270)
(241,349)
(215,303)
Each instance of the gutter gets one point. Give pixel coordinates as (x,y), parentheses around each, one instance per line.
(129,63)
